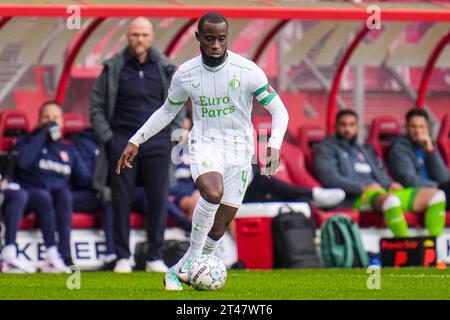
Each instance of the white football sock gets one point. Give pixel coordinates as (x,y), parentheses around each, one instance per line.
(202,222)
(210,246)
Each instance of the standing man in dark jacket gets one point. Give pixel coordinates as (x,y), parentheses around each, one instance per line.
(414,161)
(45,167)
(343,163)
(132,86)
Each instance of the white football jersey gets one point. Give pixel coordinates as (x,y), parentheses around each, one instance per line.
(221,98)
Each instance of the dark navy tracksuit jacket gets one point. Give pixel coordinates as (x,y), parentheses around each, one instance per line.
(47,164)
(45,168)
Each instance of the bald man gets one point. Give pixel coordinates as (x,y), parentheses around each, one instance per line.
(131,87)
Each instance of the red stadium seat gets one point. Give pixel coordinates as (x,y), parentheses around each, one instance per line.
(136,220)
(261,147)
(292,170)
(447,219)
(28,222)
(80,220)
(308,138)
(74,123)
(13,123)
(382,131)
(262,123)
(83,220)
(443,139)
(372,219)
(295,163)
(322,216)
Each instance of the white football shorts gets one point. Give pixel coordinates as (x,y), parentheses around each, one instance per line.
(233,163)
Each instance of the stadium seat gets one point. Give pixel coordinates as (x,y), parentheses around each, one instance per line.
(376,220)
(28,222)
(382,131)
(83,220)
(443,139)
(447,219)
(321,216)
(295,163)
(370,219)
(292,170)
(80,220)
(136,220)
(13,123)
(74,123)
(308,138)
(282,172)
(262,122)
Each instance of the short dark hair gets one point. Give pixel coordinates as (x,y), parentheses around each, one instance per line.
(212,17)
(47,103)
(416,112)
(346,112)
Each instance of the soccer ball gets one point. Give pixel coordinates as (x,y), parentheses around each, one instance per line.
(208,273)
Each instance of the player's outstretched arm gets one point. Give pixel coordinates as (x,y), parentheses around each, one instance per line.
(176,98)
(280,119)
(270,100)
(158,120)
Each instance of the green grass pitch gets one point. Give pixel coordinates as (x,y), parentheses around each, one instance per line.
(403,283)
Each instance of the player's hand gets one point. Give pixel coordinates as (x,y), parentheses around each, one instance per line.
(272,161)
(127,157)
(426,142)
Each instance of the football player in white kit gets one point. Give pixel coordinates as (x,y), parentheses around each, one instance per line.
(221,86)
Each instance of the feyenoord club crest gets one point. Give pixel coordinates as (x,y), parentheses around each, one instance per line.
(234,83)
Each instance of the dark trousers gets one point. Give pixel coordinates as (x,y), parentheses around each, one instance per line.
(92,202)
(263,189)
(13,208)
(152,166)
(54,212)
(140,204)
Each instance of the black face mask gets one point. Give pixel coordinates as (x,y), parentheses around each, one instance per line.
(211,61)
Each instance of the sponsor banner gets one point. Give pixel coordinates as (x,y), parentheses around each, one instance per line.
(88,246)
